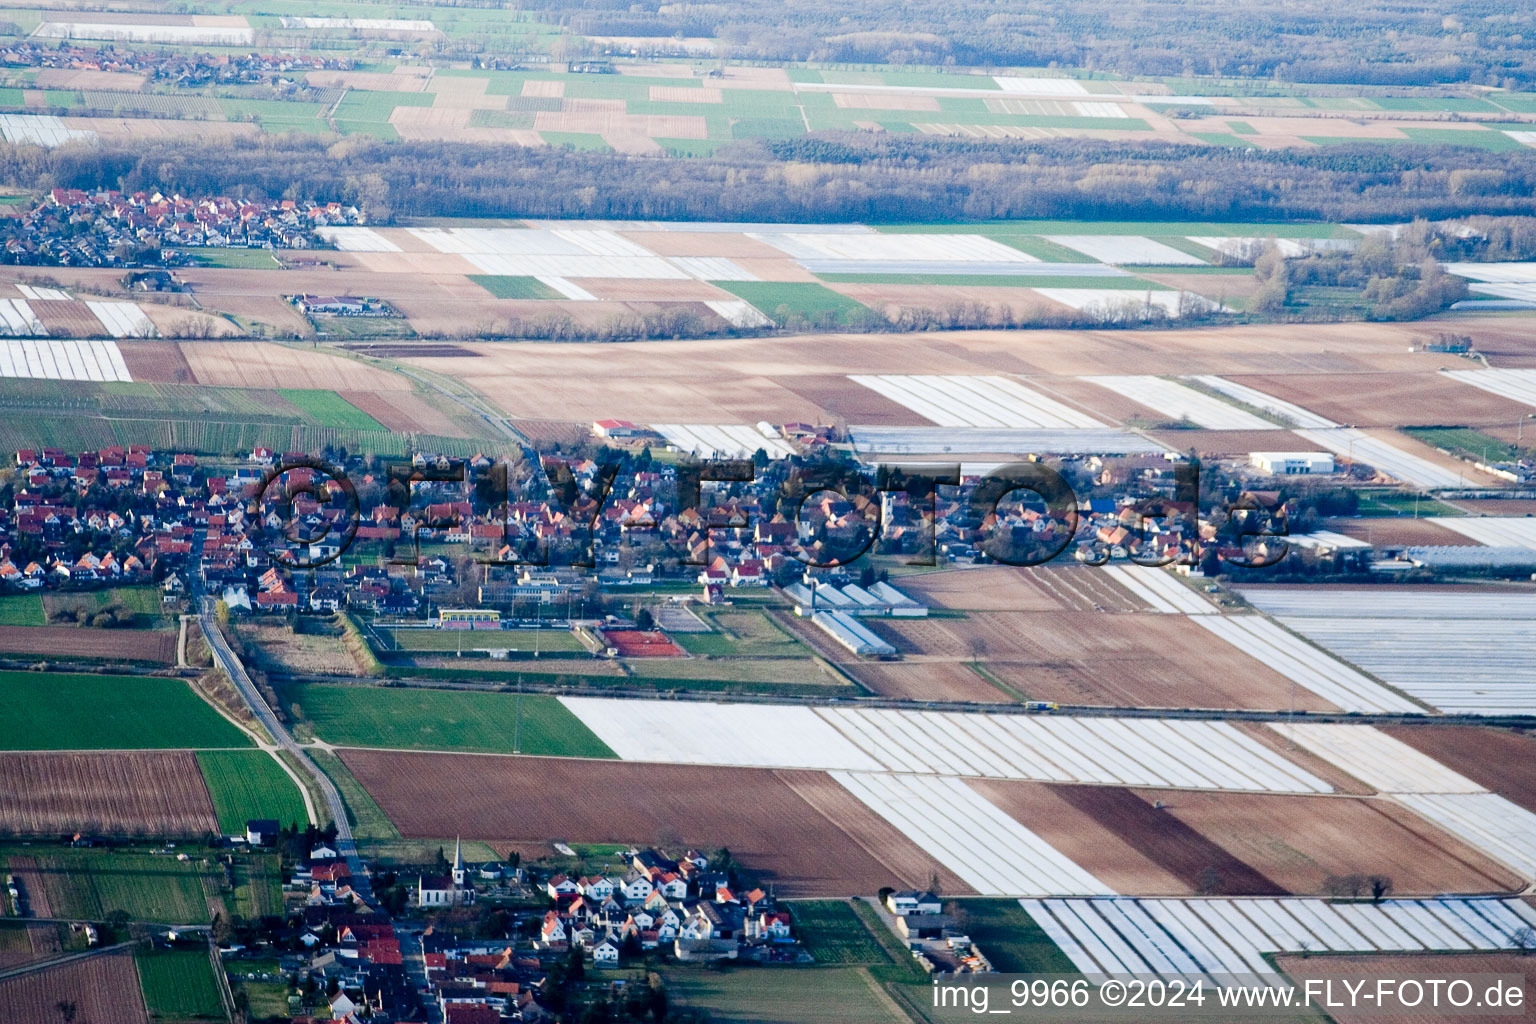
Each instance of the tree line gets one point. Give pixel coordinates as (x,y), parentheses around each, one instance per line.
(830,177)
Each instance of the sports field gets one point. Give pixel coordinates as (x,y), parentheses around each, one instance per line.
(498,723)
(55,711)
(246,784)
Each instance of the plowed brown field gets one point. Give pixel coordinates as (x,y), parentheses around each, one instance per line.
(114,792)
(1500,759)
(101,988)
(1121,839)
(73,642)
(768,824)
(1299,841)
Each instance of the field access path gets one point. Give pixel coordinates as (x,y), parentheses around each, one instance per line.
(346,844)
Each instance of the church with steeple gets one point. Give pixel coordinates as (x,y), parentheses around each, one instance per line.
(450,890)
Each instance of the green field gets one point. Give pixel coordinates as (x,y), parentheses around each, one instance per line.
(91,884)
(246,784)
(1464,441)
(740,633)
(328,409)
(781,300)
(179,985)
(237,259)
(55,711)
(577,140)
(834,934)
(144,602)
(22,610)
(780,995)
(1010,938)
(1402,503)
(506,286)
(553,641)
(362,716)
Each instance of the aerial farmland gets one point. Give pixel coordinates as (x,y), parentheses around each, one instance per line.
(752,513)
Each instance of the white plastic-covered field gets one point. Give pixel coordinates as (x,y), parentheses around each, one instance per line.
(123,319)
(1110,751)
(722,441)
(1498,273)
(361,24)
(955,825)
(1387,603)
(211,35)
(1387,458)
(862,246)
(1128,249)
(1178,401)
(1134,303)
(356,239)
(1380,761)
(1286,653)
(1223,937)
(1457,652)
(977,402)
(18,320)
(63,360)
(562,252)
(40,130)
(712,268)
(1522,292)
(893,441)
(1503,830)
(748,735)
(1259,400)
(1524,138)
(567,288)
(739,312)
(1494,531)
(1021,86)
(1059,748)
(42,294)
(1159,590)
(1516,385)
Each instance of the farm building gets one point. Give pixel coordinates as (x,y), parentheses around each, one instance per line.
(877,599)
(620,429)
(1291,463)
(847,631)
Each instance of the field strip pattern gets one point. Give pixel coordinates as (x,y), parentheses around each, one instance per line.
(1118,299)
(1494,531)
(1359,446)
(1376,759)
(40,130)
(977,402)
(987,849)
(1108,751)
(1218,937)
(1497,273)
(1173,754)
(18,320)
(1457,652)
(859,247)
(1515,385)
(1498,827)
(354,239)
(1159,590)
(722,441)
(123,319)
(63,360)
(1127,249)
(1270,404)
(1177,401)
(739,312)
(743,735)
(961,440)
(1329,678)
